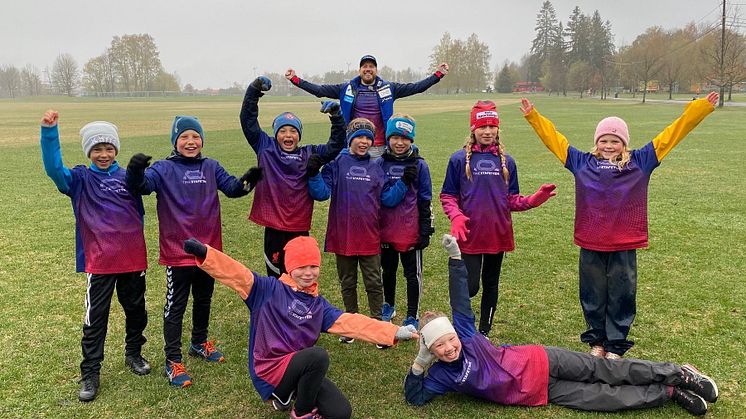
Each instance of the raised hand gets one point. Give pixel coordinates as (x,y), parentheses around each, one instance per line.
(262,83)
(526,106)
(314,164)
(138,163)
(713,97)
(50,118)
(542,195)
(289,74)
(443,68)
(331,107)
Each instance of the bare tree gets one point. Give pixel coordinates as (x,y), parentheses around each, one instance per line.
(65,74)
(10,81)
(31,80)
(647,52)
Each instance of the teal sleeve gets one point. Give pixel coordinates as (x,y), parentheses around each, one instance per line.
(51,156)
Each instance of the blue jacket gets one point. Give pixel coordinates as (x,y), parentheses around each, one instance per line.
(387,91)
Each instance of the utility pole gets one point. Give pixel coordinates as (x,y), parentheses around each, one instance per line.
(722,60)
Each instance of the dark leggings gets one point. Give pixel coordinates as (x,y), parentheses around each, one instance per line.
(305,377)
(488,265)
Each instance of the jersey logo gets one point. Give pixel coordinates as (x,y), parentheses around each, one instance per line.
(112,185)
(385,93)
(349,97)
(193,176)
(485,167)
(299,310)
(358,173)
(396,172)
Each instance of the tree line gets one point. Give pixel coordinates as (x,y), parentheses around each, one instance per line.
(578,55)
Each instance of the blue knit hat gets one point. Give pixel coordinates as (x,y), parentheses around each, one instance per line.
(403,127)
(184,123)
(360,127)
(370,58)
(287,118)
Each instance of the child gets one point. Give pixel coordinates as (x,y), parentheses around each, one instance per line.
(479,192)
(358,188)
(186,186)
(611,222)
(109,243)
(406,228)
(282,203)
(534,375)
(287,317)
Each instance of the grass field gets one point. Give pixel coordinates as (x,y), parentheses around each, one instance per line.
(691,293)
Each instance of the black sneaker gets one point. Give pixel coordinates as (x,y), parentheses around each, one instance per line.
(137,364)
(693,403)
(379,346)
(88,388)
(345,339)
(699,383)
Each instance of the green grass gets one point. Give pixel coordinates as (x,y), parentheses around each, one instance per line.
(690,295)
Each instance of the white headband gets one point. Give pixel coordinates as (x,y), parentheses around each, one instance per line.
(434,329)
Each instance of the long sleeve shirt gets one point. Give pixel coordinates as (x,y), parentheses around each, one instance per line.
(611,205)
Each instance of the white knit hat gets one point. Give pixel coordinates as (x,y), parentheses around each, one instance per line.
(98,132)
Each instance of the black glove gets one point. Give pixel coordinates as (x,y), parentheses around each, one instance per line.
(314,165)
(422,242)
(262,83)
(331,107)
(195,247)
(139,162)
(251,177)
(136,172)
(410,174)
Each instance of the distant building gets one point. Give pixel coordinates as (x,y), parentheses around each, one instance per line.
(527,87)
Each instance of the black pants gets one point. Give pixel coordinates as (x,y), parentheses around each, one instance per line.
(411,262)
(608,296)
(179,280)
(582,381)
(305,377)
(274,243)
(131,295)
(488,265)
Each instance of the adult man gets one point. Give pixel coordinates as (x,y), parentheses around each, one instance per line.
(368,96)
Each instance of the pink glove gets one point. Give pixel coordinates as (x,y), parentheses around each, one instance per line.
(458,227)
(541,196)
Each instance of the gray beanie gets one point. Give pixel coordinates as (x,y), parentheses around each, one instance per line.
(98,132)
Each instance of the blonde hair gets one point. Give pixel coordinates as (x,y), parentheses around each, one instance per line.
(469,143)
(429,316)
(621,160)
(402,115)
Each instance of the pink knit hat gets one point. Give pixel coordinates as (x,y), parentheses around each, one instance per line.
(614,126)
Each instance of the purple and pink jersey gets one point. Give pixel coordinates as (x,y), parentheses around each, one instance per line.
(484,200)
(353,227)
(285,320)
(281,199)
(367,106)
(611,205)
(400,225)
(108,222)
(188,204)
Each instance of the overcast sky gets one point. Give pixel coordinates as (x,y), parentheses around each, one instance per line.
(213,43)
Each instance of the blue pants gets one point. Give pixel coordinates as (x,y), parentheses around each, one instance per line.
(608,294)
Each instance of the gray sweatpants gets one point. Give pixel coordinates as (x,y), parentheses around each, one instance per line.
(581,381)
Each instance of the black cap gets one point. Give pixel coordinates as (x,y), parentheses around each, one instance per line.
(368,57)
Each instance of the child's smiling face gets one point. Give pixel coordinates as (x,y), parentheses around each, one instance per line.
(189,143)
(359,145)
(288,138)
(305,276)
(103,155)
(447,348)
(486,134)
(610,146)
(399,145)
